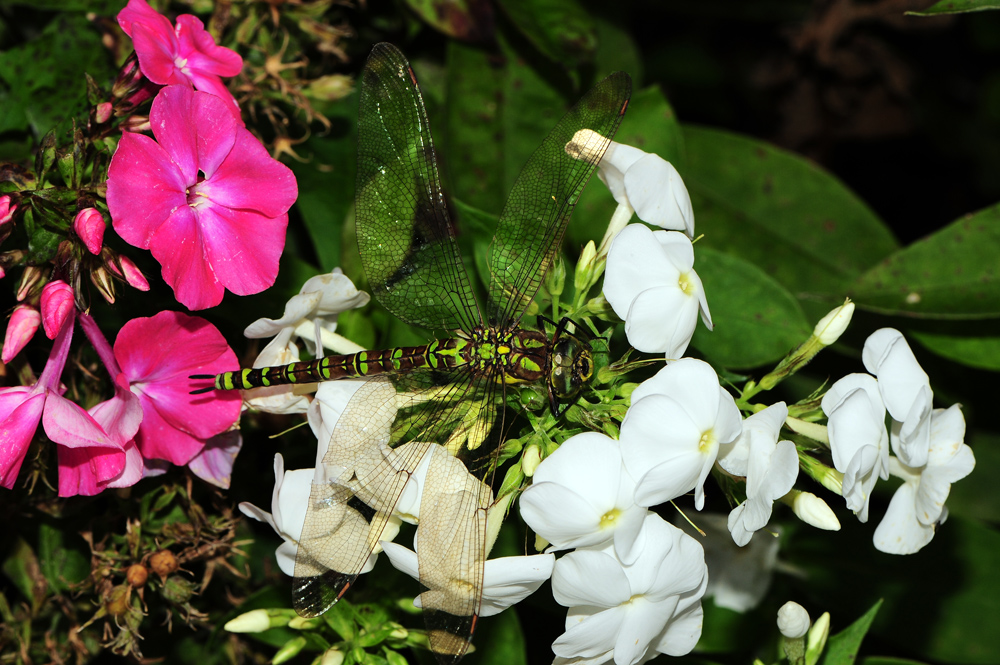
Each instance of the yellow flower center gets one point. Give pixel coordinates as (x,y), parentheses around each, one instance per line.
(685,284)
(609,518)
(707,440)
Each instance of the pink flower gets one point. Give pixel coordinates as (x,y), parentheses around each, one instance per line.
(156,355)
(130,273)
(89,227)
(207,200)
(23,325)
(185,54)
(89,459)
(57,306)
(6,210)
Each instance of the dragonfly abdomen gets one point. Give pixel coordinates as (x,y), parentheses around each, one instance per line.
(442,353)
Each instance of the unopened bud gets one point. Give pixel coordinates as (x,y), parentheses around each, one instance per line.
(129,78)
(793,620)
(136,575)
(31,283)
(530,460)
(7,210)
(540,543)
(136,123)
(23,325)
(102,112)
(257,621)
(812,510)
(117,602)
(132,274)
(89,226)
(332,656)
(585,267)
(330,88)
(101,278)
(163,563)
(290,650)
(832,326)
(57,306)
(304,623)
(816,641)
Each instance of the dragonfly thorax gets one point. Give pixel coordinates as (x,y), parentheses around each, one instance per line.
(517,355)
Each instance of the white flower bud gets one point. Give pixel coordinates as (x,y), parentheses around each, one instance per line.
(254,621)
(530,460)
(832,326)
(332,657)
(793,620)
(813,511)
(816,641)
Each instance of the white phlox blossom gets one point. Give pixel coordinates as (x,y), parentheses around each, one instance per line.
(671,434)
(651,284)
(629,613)
(918,507)
(906,393)
(581,495)
(289,502)
(312,312)
(326,408)
(858,439)
(769,466)
(738,577)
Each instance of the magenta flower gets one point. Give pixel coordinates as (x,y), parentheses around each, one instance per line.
(185,54)
(23,325)
(89,459)
(89,227)
(57,305)
(156,355)
(207,200)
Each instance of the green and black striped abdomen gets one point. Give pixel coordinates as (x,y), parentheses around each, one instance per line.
(442,353)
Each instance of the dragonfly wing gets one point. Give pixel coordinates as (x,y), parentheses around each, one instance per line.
(451,554)
(534,219)
(407,240)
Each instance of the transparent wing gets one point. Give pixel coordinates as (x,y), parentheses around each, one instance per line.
(533,220)
(405,235)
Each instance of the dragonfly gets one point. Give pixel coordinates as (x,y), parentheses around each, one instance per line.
(447,396)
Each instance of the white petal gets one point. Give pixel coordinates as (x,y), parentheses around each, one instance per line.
(741,536)
(657,194)
(593,636)
(292,501)
(899,532)
(614,163)
(561,516)
(509,580)
(643,622)
(661,319)
(682,632)
(588,577)
(900,377)
(636,262)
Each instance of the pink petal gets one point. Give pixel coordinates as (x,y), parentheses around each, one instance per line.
(138,11)
(144,187)
(69,425)
(250,179)
(85,470)
(21,410)
(194,128)
(200,50)
(213,86)
(214,463)
(170,346)
(179,248)
(243,247)
(156,54)
(159,439)
(133,471)
(121,415)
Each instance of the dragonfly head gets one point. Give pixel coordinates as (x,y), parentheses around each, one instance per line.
(571,367)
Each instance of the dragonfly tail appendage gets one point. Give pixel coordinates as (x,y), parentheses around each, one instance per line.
(312,596)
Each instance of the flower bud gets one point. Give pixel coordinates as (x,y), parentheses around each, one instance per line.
(832,326)
(129,78)
(176,589)
(132,274)
(793,620)
(6,210)
(332,656)
(304,623)
(117,602)
(31,283)
(816,641)
(136,123)
(102,112)
(57,306)
(21,328)
(257,621)
(89,226)
(101,278)
(530,460)
(585,267)
(136,575)
(330,88)
(290,650)
(163,563)
(814,511)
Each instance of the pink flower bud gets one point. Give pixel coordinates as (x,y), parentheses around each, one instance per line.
(23,324)
(6,210)
(31,280)
(129,78)
(102,112)
(133,275)
(136,123)
(89,226)
(57,306)
(101,278)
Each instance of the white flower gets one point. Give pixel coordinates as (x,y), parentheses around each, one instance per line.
(918,507)
(649,185)
(906,393)
(770,467)
(625,612)
(311,314)
(582,496)
(738,577)
(832,326)
(858,440)
(325,410)
(651,283)
(289,502)
(506,580)
(671,434)
(793,620)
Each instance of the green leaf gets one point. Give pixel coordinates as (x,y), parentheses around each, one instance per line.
(957,7)
(63,565)
(979,348)
(781,212)
(949,274)
(757,321)
(561,30)
(650,124)
(842,648)
(326,184)
(885,660)
(471,20)
(21,567)
(975,496)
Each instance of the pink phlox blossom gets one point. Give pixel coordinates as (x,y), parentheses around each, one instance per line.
(185,54)
(6,210)
(89,459)
(157,355)
(206,199)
